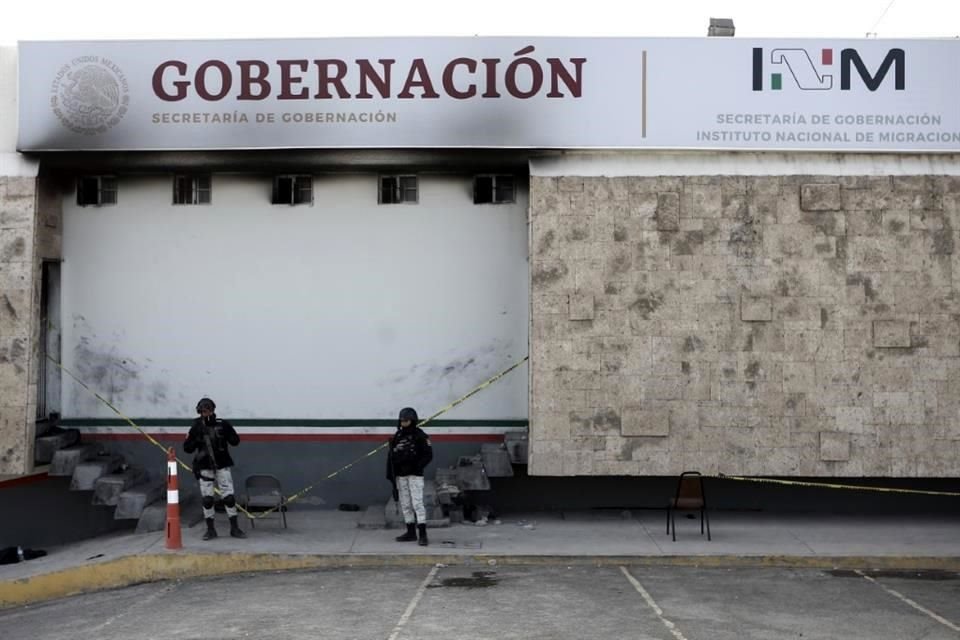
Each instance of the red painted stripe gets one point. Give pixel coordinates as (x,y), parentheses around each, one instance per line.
(160,437)
(27,479)
(302,437)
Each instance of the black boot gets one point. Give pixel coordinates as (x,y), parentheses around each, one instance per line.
(211,532)
(235,528)
(423,535)
(410,535)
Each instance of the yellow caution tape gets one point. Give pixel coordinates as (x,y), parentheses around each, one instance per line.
(308,488)
(117,411)
(133,424)
(475,390)
(299,494)
(833,485)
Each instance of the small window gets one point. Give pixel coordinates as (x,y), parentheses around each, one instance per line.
(293,190)
(94,191)
(191,189)
(493,190)
(398,189)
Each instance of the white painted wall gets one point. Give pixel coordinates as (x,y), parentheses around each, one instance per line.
(11,162)
(343,309)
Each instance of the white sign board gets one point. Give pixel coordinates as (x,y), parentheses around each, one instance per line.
(703,93)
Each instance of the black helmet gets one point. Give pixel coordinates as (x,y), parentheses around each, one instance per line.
(408,413)
(206,403)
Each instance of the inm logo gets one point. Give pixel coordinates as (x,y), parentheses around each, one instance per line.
(808,75)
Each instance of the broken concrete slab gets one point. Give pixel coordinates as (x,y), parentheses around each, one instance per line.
(65,461)
(154,516)
(471,475)
(496,461)
(518,446)
(448,494)
(89,471)
(445,481)
(132,502)
(107,489)
(47,445)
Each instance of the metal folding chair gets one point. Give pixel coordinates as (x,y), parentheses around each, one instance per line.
(263,492)
(690,497)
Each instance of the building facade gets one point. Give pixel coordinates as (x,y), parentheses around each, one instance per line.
(318,233)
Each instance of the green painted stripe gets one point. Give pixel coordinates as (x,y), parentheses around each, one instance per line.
(284,422)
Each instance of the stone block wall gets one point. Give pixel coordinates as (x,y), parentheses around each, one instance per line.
(18,311)
(781,325)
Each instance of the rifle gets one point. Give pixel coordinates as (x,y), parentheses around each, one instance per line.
(393,478)
(208,445)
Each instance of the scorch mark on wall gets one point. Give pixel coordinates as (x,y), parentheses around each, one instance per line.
(118,378)
(102,369)
(438,383)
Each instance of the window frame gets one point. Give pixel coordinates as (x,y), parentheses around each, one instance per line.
(196,189)
(300,184)
(106,187)
(494,199)
(398,191)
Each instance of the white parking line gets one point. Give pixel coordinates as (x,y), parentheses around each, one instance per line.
(910,602)
(413,603)
(653,605)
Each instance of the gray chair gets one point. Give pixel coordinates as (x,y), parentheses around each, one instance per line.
(263,492)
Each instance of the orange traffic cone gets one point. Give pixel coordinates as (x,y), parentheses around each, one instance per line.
(174,540)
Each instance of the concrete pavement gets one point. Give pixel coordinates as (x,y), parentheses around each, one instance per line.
(522,602)
(323,538)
